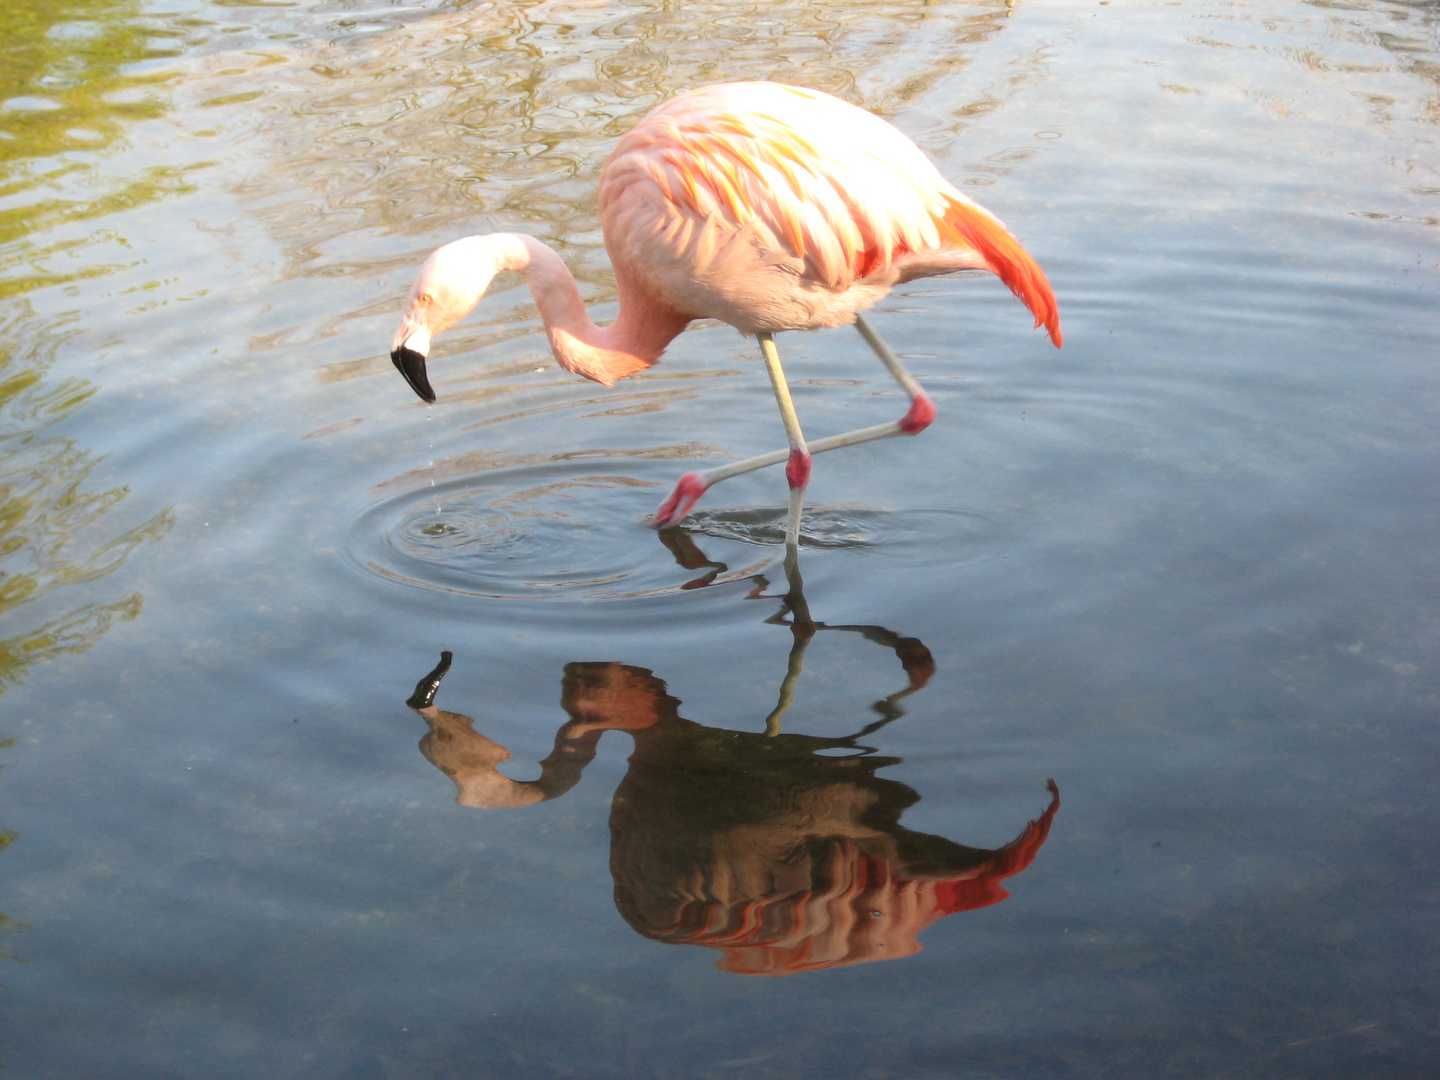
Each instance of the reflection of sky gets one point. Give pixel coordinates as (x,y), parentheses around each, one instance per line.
(1184,565)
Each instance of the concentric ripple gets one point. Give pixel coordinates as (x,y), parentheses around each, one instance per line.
(560,532)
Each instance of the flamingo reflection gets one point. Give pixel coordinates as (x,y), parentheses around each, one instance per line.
(783,851)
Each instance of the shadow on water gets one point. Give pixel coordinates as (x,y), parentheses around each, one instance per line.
(783,851)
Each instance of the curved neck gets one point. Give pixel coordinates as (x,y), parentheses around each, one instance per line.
(633,342)
(469,758)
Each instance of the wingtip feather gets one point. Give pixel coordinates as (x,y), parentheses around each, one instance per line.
(1008,260)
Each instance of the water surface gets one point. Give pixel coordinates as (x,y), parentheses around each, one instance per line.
(1184,567)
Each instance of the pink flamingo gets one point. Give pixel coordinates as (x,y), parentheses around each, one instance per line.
(765,206)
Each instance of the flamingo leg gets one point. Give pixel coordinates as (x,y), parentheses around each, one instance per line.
(797,467)
(802,629)
(922,411)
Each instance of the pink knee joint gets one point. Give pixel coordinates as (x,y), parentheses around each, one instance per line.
(922,412)
(797,469)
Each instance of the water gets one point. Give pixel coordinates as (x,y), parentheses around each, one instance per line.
(1184,566)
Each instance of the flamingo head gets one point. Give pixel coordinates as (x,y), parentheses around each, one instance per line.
(459,751)
(451,282)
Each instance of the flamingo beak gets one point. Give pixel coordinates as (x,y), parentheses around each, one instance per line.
(411,363)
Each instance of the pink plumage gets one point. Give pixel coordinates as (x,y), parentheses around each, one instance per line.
(776,208)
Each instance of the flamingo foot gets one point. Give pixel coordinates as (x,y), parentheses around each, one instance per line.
(922,412)
(682,500)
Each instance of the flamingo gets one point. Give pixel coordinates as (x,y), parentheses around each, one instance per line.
(765,206)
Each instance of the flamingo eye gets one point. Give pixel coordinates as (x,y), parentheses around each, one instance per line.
(426,299)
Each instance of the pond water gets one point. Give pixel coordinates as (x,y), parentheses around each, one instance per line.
(1185,567)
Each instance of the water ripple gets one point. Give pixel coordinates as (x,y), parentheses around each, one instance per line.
(562,531)
(847,526)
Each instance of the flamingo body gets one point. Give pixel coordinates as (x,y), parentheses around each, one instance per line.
(773,208)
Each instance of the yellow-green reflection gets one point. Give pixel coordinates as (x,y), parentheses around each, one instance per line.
(62,61)
(52,530)
(65,96)
(65,99)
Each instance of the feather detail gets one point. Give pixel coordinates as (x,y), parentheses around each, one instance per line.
(980,230)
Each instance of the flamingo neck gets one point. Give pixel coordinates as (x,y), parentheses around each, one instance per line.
(633,342)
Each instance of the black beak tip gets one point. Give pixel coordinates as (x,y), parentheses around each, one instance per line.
(411,364)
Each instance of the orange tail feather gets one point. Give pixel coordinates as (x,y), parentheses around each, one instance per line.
(1008,260)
